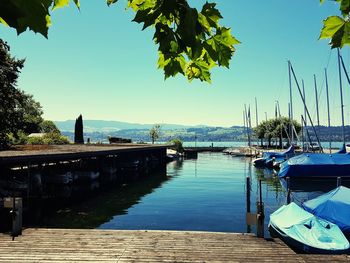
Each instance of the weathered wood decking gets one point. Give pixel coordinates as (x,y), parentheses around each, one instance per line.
(63,245)
(38,153)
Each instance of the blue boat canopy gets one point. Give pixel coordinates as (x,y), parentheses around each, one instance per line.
(294,224)
(316,165)
(333,206)
(342,149)
(286,153)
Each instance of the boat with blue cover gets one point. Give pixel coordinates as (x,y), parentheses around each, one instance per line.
(268,158)
(333,206)
(316,165)
(303,231)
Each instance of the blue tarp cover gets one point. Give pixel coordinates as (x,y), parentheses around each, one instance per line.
(333,206)
(289,151)
(279,157)
(294,222)
(342,149)
(316,164)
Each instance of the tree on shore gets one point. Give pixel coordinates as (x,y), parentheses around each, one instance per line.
(154,133)
(275,128)
(78,130)
(20,114)
(18,110)
(48,126)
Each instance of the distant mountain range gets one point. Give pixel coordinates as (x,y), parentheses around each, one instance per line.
(99,130)
(110,126)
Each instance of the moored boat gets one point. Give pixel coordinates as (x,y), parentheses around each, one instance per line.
(333,206)
(269,158)
(316,165)
(305,232)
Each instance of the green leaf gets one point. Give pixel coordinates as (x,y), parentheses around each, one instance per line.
(337,29)
(331,25)
(211,14)
(141,4)
(344,7)
(2,21)
(346,35)
(198,69)
(187,27)
(63,3)
(23,14)
(109,2)
(220,47)
(60,3)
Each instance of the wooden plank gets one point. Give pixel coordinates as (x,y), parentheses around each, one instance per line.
(81,245)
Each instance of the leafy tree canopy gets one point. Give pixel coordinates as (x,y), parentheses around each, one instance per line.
(190,42)
(48,126)
(337,28)
(19,112)
(275,128)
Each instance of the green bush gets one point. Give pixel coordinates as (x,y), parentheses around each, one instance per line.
(52,138)
(177,145)
(55,138)
(35,140)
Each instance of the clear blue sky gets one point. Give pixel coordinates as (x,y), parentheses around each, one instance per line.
(98,63)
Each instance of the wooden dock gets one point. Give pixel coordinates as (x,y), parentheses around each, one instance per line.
(41,153)
(81,245)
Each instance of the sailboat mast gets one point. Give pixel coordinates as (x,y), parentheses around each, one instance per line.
(291,102)
(247,124)
(341,98)
(244,117)
(256,118)
(304,124)
(317,110)
(329,117)
(302,81)
(307,111)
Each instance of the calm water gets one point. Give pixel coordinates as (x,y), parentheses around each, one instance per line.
(207,194)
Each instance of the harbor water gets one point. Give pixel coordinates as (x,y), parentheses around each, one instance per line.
(204,194)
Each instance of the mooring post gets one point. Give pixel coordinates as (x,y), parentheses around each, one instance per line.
(260,214)
(248,190)
(288,190)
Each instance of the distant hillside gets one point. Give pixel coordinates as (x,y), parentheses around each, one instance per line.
(109,126)
(99,130)
(167,133)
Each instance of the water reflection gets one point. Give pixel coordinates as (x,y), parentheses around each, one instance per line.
(303,189)
(88,205)
(204,194)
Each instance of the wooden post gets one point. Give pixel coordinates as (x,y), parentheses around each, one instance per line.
(288,190)
(248,193)
(248,189)
(15,204)
(260,214)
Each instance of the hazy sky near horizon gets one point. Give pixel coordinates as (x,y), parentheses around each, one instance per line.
(98,63)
